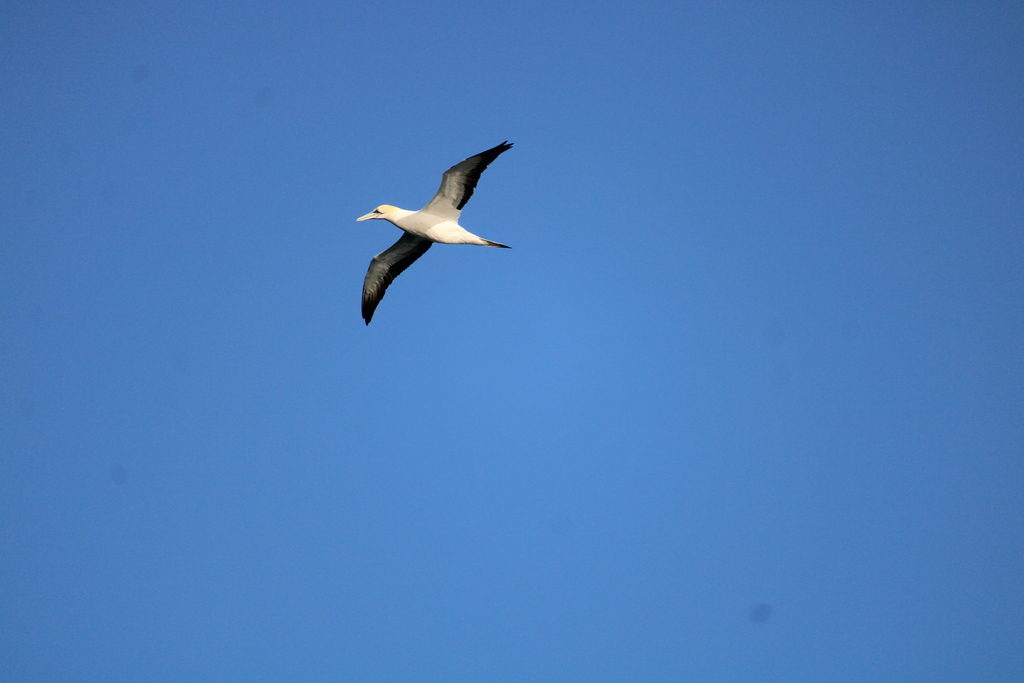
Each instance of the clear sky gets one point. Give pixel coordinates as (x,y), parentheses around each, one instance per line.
(744,401)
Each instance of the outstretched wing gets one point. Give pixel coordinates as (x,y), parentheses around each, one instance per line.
(459,181)
(386,266)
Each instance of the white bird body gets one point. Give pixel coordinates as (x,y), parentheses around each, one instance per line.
(429,226)
(438,221)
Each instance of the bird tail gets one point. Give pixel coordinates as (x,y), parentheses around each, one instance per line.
(496,244)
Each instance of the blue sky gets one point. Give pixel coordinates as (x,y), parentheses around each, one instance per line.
(757,342)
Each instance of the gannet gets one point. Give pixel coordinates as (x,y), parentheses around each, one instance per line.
(438,221)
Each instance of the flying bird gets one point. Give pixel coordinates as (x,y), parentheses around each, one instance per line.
(438,221)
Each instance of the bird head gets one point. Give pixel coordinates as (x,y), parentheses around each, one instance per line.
(381,211)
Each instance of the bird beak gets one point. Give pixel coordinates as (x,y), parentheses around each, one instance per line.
(372,214)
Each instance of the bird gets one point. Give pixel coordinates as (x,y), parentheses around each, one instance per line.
(438,221)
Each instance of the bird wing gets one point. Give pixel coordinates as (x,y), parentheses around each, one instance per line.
(459,181)
(386,266)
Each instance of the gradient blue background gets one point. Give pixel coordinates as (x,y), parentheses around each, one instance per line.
(758,341)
